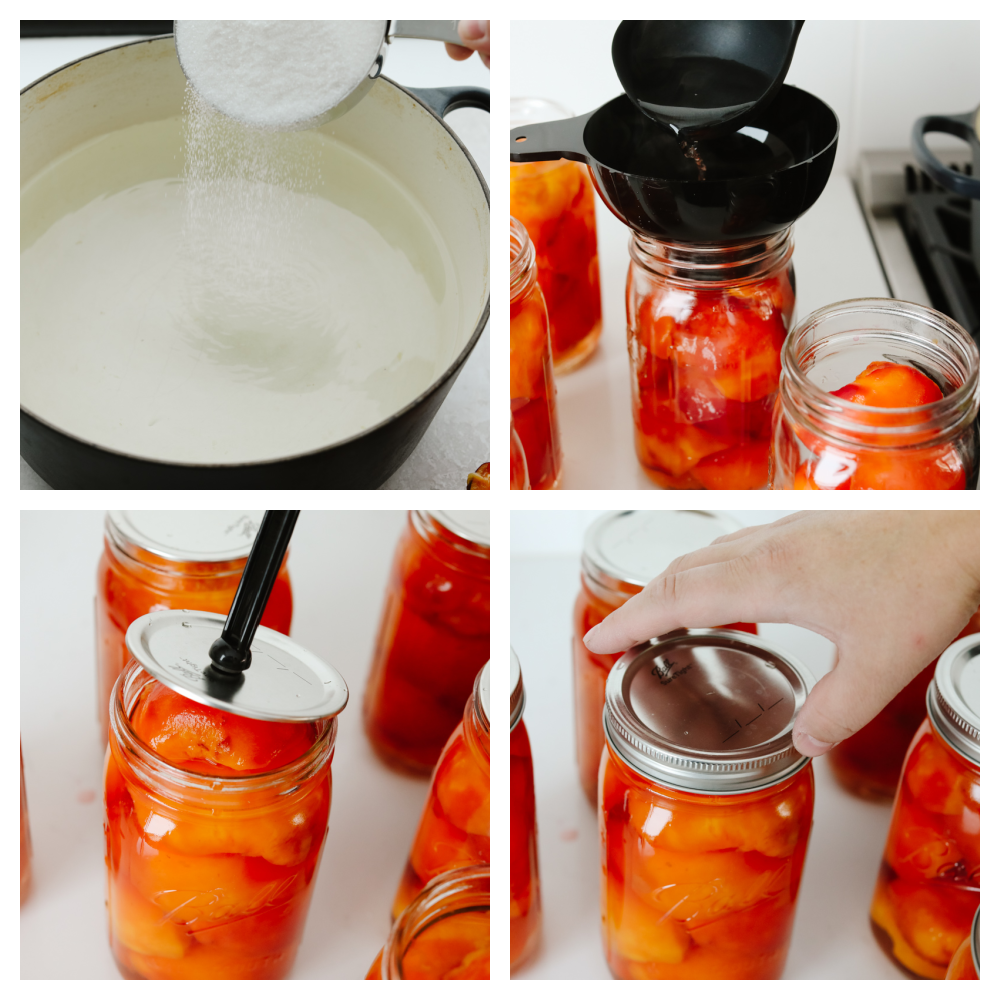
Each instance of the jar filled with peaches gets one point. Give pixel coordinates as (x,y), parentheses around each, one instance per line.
(433,638)
(868,763)
(215,820)
(525,894)
(927,891)
(704,808)
(706,325)
(622,552)
(454,827)
(554,201)
(877,394)
(532,381)
(443,933)
(158,559)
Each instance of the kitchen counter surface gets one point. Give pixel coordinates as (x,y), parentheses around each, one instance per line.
(831,940)
(457,441)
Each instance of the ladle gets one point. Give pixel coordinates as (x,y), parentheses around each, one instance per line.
(703,78)
(440,31)
(230,653)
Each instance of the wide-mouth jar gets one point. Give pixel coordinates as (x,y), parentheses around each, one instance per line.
(706,325)
(825,442)
(705,807)
(444,933)
(532,379)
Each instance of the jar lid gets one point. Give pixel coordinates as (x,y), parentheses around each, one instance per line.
(472,525)
(953,696)
(185,535)
(631,547)
(483,690)
(706,710)
(516,691)
(284,683)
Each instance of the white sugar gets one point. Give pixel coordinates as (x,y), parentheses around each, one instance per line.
(277,74)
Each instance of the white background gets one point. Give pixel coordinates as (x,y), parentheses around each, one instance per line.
(831,939)
(457,441)
(878,76)
(339,565)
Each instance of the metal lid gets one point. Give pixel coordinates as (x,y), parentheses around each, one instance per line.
(483,690)
(185,535)
(626,549)
(284,683)
(974,941)
(953,696)
(706,710)
(472,525)
(516,691)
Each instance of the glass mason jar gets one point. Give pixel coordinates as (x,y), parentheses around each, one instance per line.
(928,884)
(454,828)
(433,638)
(554,201)
(965,961)
(154,560)
(868,763)
(525,895)
(444,933)
(518,463)
(622,552)
(706,325)
(25,841)
(210,868)
(824,442)
(532,382)
(705,808)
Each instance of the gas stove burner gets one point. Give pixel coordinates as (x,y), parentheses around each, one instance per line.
(753,183)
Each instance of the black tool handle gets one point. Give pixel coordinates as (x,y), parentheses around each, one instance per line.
(230,653)
(961,126)
(441,100)
(558,140)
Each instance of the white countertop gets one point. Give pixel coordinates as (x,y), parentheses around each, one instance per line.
(457,441)
(339,565)
(831,940)
(834,260)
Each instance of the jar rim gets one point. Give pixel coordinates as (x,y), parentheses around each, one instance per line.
(172,780)
(843,419)
(522,257)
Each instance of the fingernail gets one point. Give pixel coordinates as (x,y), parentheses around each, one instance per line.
(590,635)
(805,744)
(472,31)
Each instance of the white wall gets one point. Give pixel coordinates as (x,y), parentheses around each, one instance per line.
(879,76)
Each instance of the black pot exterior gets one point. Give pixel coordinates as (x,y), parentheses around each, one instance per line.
(363,462)
(648,183)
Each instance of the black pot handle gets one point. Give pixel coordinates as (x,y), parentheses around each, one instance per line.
(560,140)
(962,126)
(441,100)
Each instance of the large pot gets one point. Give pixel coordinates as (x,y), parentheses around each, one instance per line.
(401,130)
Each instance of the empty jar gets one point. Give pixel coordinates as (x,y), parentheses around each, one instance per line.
(825,442)
(433,638)
(622,552)
(444,933)
(928,885)
(158,559)
(554,201)
(705,808)
(532,382)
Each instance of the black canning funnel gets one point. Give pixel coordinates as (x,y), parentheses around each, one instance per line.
(755,182)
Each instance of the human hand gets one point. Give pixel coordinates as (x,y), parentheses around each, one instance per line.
(891,590)
(475,37)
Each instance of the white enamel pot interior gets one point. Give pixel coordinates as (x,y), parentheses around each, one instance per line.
(401,171)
